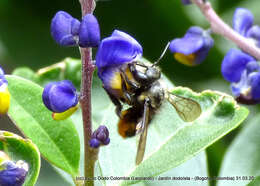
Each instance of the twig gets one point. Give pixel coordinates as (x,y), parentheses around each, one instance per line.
(218,26)
(90,154)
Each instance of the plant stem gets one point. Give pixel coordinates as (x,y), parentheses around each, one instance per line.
(90,154)
(218,26)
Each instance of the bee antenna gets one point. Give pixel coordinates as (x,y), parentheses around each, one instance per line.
(163,53)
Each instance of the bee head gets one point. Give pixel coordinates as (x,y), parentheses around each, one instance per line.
(153,73)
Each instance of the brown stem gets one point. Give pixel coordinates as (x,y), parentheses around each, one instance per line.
(90,154)
(87,6)
(218,26)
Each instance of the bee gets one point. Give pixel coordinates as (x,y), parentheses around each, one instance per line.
(138,85)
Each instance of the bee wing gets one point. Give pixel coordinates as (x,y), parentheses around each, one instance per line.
(143,137)
(188,109)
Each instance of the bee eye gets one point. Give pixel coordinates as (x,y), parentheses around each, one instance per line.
(153,73)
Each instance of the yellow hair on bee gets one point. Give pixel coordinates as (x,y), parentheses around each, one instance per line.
(4,99)
(185,59)
(129,76)
(116,82)
(66,114)
(126,125)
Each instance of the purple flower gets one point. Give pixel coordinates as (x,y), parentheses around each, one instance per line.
(13,174)
(89,32)
(68,31)
(60,96)
(114,52)
(243,72)
(2,77)
(186,2)
(118,49)
(4,93)
(193,48)
(234,64)
(65,29)
(243,21)
(100,137)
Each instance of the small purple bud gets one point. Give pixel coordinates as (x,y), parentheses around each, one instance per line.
(65,29)
(60,96)
(89,32)
(254,33)
(94,143)
(12,174)
(243,20)
(186,2)
(107,141)
(101,136)
(102,133)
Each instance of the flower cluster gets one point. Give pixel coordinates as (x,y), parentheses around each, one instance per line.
(61,98)
(12,174)
(238,67)
(243,71)
(193,48)
(99,137)
(68,31)
(4,93)
(243,21)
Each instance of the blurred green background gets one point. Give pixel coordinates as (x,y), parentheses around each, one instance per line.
(25,40)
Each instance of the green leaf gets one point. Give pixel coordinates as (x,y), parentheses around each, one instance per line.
(255,182)
(180,141)
(69,69)
(170,140)
(57,141)
(198,165)
(49,176)
(242,157)
(26,73)
(18,148)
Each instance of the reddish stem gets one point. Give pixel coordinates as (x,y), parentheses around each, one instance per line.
(90,154)
(218,26)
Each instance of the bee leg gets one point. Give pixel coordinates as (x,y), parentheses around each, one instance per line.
(132,84)
(127,96)
(144,130)
(116,103)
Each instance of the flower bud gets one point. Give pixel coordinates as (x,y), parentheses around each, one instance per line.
(13,174)
(61,98)
(186,2)
(65,29)
(68,31)
(243,21)
(89,32)
(100,137)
